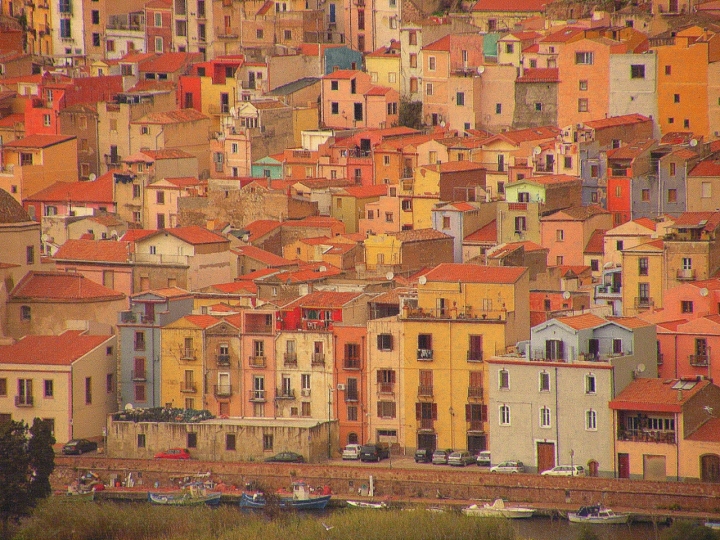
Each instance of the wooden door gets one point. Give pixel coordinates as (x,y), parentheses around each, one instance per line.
(623,465)
(710,468)
(545,456)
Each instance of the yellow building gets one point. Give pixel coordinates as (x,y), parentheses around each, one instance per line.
(348,205)
(420,195)
(383,65)
(39,35)
(407,251)
(465,313)
(643,277)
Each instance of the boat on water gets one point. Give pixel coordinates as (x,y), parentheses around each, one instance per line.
(715,525)
(189,496)
(597,514)
(79,496)
(367,504)
(301,498)
(498,510)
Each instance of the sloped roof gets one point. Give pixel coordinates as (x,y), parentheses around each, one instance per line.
(540,75)
(289,88)
(261,227)
(61,350)
(614,121)
(488,233)
(655,395)
(510,5)
(97,191)
(11,211)
(708,221)
(61,287)
(166,63)
(263,256)
(95,250)
(474,273)
(342,74)
(581,322)
(630,150)
(596,243)
(442,44)
(575,213)
(419,235)
(193,234)
(710,430)
(707,167)
(177,116)
(39,141)
(323,299)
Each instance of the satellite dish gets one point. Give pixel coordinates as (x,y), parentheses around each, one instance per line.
(442,124)
(128,407)
(566,295)
(537,150)
(693,142)
(245,237)
(389,276)
(322,269)
(92,177)
(422,280)
(704,292)
(608,265)
(481,70)
(641,368)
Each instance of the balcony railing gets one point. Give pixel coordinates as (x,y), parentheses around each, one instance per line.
(257,361)
(646,435)
(427,423)
(285,393)
(468,312)
(474,356)
(607,289)
(699,360)
(686,274)
(290,359)
(128,317)
(425,390)
(475,425)
(138,375)
(188,387)
(139,345)
(318,359)
(475,392)
(424,354)
(186,353)
(351,395)
(223,359)
(257,395)
(351,363)
(223,390)
(226,32)
(24,401)
(643,302)
(386,388)
(113,161)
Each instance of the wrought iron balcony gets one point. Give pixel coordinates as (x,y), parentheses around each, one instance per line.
(699,360)
(351,363)
(257,361)
(686,274)
(475,392)
(386,388)
(424,354)
(474,356)
(24,401)
(318,359)
(257,395)
(138,375)
(427,423)
(187,353)
(425,390)
(223,390)
(290,359)
(223,359)
(188,387)
(285,393)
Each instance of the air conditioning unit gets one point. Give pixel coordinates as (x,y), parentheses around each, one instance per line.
(341,387)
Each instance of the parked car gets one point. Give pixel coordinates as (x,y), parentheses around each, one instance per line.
(509,467)
(174,453)
(78,447)
(374,451)
(423,455)
(483,458)
(440,457)
(461,459)
(565,470)
(351,451)
(286,457)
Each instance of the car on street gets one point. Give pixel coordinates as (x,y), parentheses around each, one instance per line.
(351,451)
(286,457)
(423,455)
(78,447)
(508,467)
(461,459)
(565,470)
(174,453)
(374,451)
(440,457)
(483,458)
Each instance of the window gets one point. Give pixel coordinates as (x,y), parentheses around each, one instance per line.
(545,417)
(504,379)
(413,84)
(30,254)
(583,86)
(429,89)
(412,37)
(460,99)
(136,191)
(334,85)
(413,60)
(673,169)
(3,387)
(109,386)
(267,441)
(619,244)
(686,306)
(538,107)
(509,48)
(676,98)
(48,388)
(26,158)
(590,420)
(559,235)
(389,217)
(392,108)
(520,224)
(706,190)
(544,381)
(88,390)
(158,44)
(671,120)
(385,342)
(96,39)
(504,415)
(446,222)
(287,34)
(567,162)
(590,387)
(259,33)
(65,31)
(24,313)
(637,71)
(191,441)
(645,195)
(386,409)
(141,440)
(672,195)
(425,348)
(583,105)
(594,265)
(46,120)
(668,70)
(498,108)
(139,392)
(305,408)
(559,260)
(229,441)
(585,58)
(358,112)
(643,266)
(158,19)
(431,63)
(140,341)
(361,20)
(352,413)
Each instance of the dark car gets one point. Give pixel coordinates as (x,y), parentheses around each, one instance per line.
(173,453)
(374,452)
(423,455)
(79,446)
(286,457)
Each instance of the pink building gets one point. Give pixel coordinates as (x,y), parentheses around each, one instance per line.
(349,100)
(375,221)
(566,233)
(73,198)
(258,347)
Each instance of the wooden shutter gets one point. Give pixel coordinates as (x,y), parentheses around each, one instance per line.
(434,411)
(468,412)
(418,411)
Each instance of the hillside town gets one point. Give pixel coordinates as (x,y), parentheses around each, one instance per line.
(248,227)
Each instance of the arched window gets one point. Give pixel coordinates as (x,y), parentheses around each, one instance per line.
(353,438)
(504,415)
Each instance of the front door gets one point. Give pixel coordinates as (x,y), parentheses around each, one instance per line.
(710,468)
(623,465)
(545,456)
(427,441)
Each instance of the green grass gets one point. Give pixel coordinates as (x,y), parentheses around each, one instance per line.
(58,520)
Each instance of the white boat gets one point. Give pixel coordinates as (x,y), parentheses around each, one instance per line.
(498,510)
(597,514)
(367,504)
(715,525)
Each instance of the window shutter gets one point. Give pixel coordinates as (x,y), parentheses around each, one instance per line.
(391,341)
(379,342)
(561,350)
(434,411)
(418,411)
(379,376)
(483,413)
(468,412)
(392,376)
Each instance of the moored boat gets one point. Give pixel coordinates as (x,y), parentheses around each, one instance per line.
(300,499)
(498,510)
(190,496)
(597,514)
(367,504)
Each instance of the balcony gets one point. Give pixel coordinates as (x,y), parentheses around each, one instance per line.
(223,359)
(318,359)
(65,8)
(475,392)
(646,435)
(257,361)
(386,388)
(407,172)
(223,390)
(351,395)
(138,375)
(351,363)
(128,317)
(113,161)
(290,359)
(686,274)
(425,354)
(425,390)
(257,395)
(474,356)
(188,387)
(475,425)
(660,359)
(24,401)
(699,360)
(606,289)
(643,302)
(467,312)
(186,353)
(285,393)
(427,424)
(139,346)
(226,33)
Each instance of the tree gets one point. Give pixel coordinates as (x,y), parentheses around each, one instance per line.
(25,468)
(410,113)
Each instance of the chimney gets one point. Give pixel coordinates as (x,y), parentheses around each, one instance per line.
(680,395)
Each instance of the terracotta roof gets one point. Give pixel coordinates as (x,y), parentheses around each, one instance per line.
(551,179)
(201,321)
(171,117)
(684,153)
(342,74)
(167,292)
(378,91)
(676,137)
(488,233)
(563,35)
(361,192)
(630,322)
(575,213)
(246,286)
(11,119)
(456,166)
(11,211)
(268,104)
(540,75)
(510,5)
(323,299)
(263,256)
(148,85)
(61,287)
(195,235)
(95,250)
(631,150)
(710,430)
(505,249)
(572,271)
(97,191)
(708,221)
(655,395)
(306,274)
(166,63)
(60,350)
(596,244)
(707,167)
(258,229)
(474,273)
(419,235)
(108,220)
(324,183)
(581,322)
(614,121)
(133,58)
(646,222)
(392,50)
(532,134)
(442,44)
(39,141)
(463,206)
(133,235)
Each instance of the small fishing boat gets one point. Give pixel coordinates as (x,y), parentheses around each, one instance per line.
(597,514)
(715,525)
(498,510)
(301,498)
(367,504)
(189,496)
(80,496)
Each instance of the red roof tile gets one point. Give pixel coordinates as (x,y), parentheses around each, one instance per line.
(473,273)
(195,235)
(95,250)
(631,150)
(511,5)
(60,350)
(596,244)
(167,62)
(710,430)
(655,395)
(263,256)
(646,222)
(708,221)
(323,299)
(133,235)
(563,35)
(614,121)
(707,167)
(362,192)
(237,287)
(581,322)
(97,191)
(540,75)
(39,141)
(12,119)
(488,233)
(258,229)
(346,74)
(61,287)
(201,321)
(378,91)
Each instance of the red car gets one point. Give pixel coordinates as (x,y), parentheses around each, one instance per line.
(173,453)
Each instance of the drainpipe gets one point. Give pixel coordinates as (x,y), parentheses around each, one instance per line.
(557,423)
